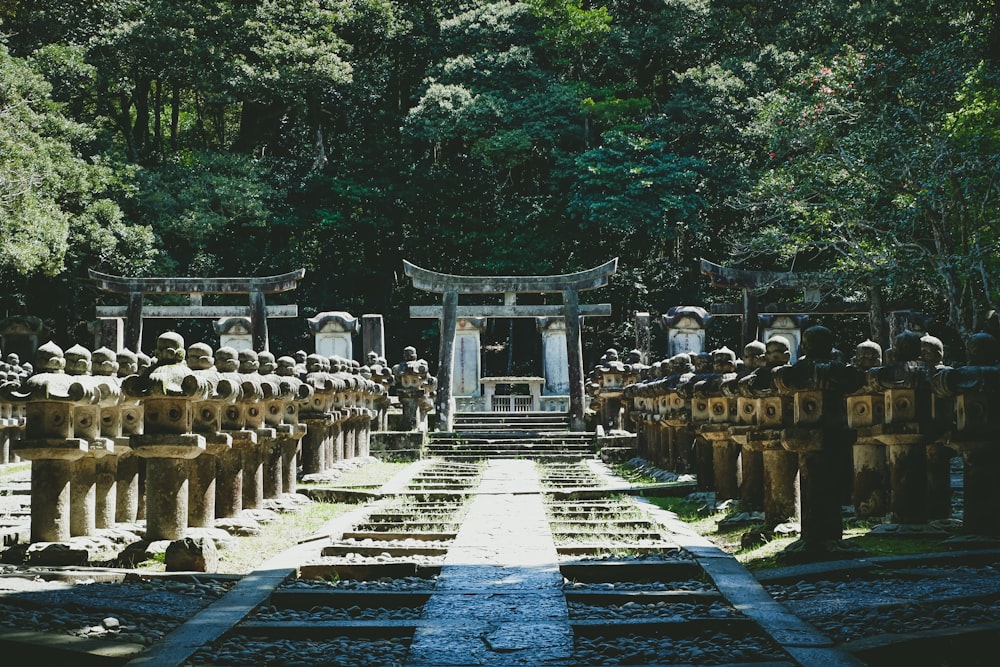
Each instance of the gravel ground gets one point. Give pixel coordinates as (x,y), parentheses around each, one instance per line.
(659,610)
(383,584)
(902,601)
(712,648)
(140,611)
(335,651)
(270,613)
(631,586)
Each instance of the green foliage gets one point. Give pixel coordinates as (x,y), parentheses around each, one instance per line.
(870,173)
(226,137)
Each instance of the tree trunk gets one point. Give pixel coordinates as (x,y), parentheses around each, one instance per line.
(140,129)
(876,299)
(175,115)
(158,117)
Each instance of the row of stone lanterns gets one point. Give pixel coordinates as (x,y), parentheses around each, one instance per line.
(804,439)
(213,434)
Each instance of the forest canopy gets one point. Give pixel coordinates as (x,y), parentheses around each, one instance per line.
(240,138)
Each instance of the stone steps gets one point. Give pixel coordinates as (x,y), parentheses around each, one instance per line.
(529,421)
(540,436)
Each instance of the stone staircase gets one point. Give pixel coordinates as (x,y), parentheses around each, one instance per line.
(540,436)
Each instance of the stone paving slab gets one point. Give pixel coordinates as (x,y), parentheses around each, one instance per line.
(498,599)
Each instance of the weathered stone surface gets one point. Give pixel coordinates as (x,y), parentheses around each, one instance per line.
(55,554)
(192,554)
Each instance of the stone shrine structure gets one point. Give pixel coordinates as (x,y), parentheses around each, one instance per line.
(450,286)
(334,333)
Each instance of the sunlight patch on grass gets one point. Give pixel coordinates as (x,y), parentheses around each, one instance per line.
(277,536)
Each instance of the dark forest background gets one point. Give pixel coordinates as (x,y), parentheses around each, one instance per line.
(255,137)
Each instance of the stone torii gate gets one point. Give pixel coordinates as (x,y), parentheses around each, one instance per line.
(749,282)
(450,286)
(256,288)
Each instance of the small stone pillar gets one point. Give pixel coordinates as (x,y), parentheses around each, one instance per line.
(467,369)
(817,385)
(109,333)
(643,336)
(787,326)
(334,333)
(50,442)
(975,389)
(373,334)
(235,333)
(169,392)
(685,326)
(555,358)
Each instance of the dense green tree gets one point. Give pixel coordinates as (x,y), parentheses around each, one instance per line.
(233,137)
(882,170)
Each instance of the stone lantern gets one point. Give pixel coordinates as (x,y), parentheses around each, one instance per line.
(252,397)
(169,393)
(414,387)
(131,472)
(751,460)
(818,435)
(675,407)
(317,414)
(975,390)
(866,414)
(715,418)
(229,462)
(907,427)
(50,442)
(770,413)
(293,392)
(203,481)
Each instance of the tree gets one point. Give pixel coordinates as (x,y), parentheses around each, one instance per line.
(876,171)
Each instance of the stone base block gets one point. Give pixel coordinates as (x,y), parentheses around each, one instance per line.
(397,445)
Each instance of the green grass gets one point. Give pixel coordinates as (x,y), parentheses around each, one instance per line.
(287,530)
(14,469)
(769,555)
(631,475)
(369,475)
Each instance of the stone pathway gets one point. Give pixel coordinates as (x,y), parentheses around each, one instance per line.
(499,598)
